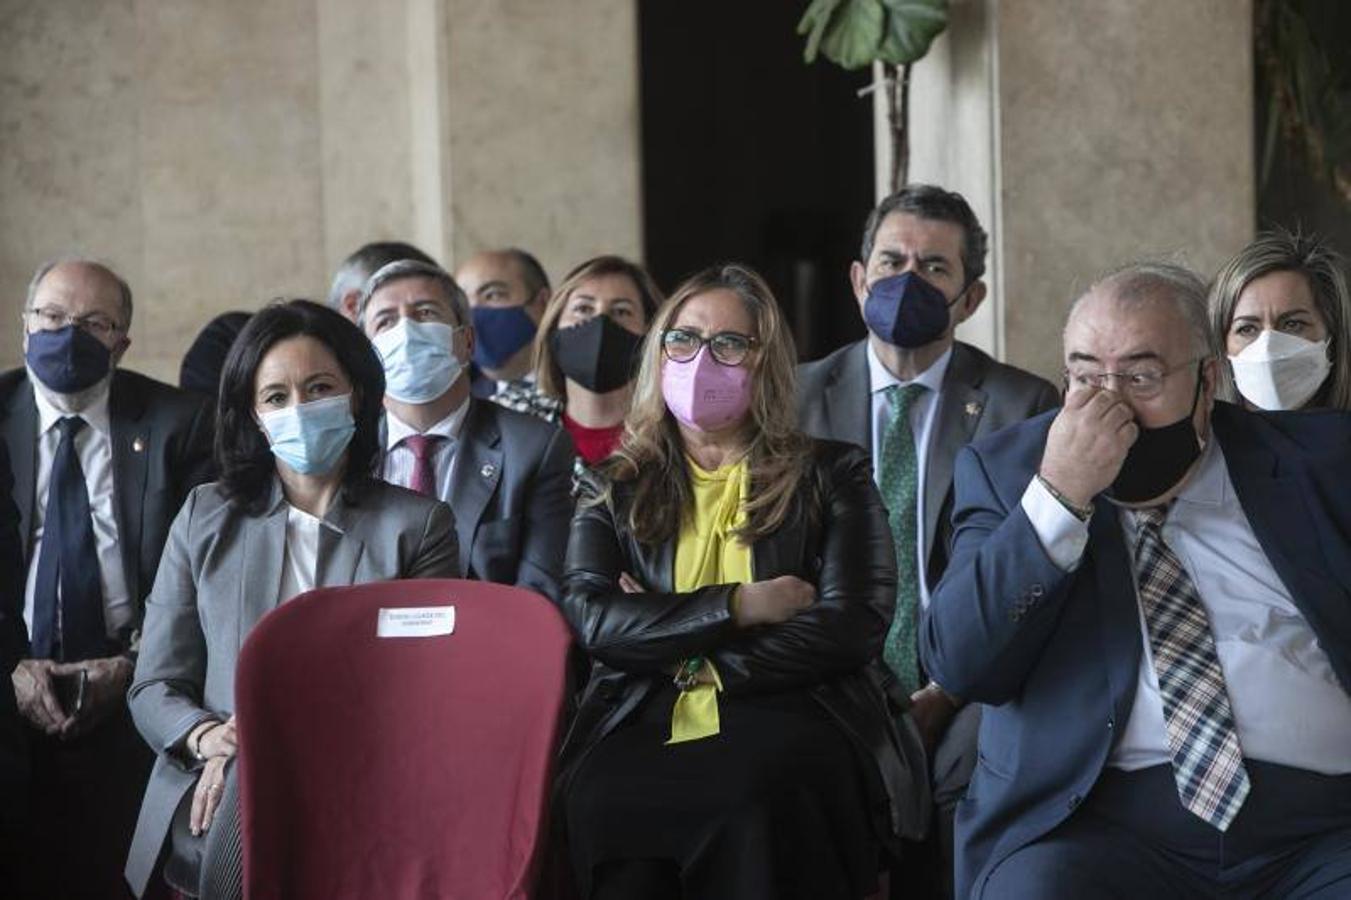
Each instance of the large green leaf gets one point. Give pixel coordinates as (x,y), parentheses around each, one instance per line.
(854,34)
(911,27)
(814,23)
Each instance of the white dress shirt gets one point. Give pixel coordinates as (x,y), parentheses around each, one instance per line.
(94,446)
(302,553)
(922,415)
(1288,705)
(399,459)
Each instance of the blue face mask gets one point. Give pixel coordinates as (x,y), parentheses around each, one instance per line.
(419,362)
(312,437)
(67,360)
(499,332)
(907,311)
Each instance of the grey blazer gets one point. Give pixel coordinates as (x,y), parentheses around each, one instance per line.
(221,572)
(979,396)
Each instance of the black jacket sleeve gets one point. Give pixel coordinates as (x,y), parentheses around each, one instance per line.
(641,632)
(856,592)
(13,634)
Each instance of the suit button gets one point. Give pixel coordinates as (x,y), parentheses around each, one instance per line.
(1110,724)
(1037,591)
(1074,800)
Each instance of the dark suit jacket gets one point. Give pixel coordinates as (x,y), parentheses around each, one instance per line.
(13,635)
(511,493)
(829,651)
(13,647)
(979,396)
(1056,654)
(161,443)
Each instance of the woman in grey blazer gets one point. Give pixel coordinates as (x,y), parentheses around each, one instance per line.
(296,507)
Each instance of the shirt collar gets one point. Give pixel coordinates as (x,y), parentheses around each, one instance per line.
(397,429)
(880,378)
(1209,484)
(95,414)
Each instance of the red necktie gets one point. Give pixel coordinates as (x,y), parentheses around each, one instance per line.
(424,478)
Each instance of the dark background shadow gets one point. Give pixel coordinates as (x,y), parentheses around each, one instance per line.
(751,155)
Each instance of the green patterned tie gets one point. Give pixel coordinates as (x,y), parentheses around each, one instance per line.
(899,481)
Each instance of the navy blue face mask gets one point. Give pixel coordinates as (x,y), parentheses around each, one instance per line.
(67,360)
(499,332)
(907,311)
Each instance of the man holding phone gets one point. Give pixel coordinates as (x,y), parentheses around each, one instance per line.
(102,460)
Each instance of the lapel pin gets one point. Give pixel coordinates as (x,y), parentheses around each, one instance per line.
(138,444)
(488,470)
(973,408)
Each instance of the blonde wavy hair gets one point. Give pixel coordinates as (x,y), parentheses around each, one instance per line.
(652,452)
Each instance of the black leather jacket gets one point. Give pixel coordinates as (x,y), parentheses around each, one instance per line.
(830,650)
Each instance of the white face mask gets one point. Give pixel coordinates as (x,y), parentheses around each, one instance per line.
(1280,371)
(419,358)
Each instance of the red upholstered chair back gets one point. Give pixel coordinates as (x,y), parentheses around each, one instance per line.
(399,767)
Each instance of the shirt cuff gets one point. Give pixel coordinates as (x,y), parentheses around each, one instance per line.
(1062,534)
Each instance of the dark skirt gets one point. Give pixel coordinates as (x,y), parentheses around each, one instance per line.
(774,806)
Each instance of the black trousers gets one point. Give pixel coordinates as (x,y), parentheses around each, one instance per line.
(83,798)
(1133,838)
(772,808)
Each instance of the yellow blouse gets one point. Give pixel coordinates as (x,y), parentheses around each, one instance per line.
(707,553)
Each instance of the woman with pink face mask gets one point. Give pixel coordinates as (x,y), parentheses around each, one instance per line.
(732,581)
(1282,312)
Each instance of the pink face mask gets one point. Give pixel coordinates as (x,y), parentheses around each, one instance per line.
(703,394)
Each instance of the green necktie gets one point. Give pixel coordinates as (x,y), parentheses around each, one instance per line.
(899,482)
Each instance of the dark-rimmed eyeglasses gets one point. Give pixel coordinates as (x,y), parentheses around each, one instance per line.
(729,348)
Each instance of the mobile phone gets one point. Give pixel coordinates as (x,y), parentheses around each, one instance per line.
(70,689)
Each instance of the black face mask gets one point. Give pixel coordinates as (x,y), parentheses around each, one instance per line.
(599,354)
(1159,458)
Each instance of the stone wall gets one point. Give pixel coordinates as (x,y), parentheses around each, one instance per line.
(220,154)
(1087,135)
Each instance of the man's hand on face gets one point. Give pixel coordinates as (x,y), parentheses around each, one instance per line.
(1087,444)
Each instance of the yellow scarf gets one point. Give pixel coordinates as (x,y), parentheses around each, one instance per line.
(707,553)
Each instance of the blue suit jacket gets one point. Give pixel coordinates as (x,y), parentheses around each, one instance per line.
(1055,655)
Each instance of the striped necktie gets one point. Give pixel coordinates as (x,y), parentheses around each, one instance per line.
(1207,758)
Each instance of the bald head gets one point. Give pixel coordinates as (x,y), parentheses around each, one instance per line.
(509,277)
(81,287)
(1169,295)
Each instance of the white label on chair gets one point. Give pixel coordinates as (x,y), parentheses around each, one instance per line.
(415,621)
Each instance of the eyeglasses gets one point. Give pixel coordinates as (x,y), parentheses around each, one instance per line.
(728,347)
(1144,383)
(51,318)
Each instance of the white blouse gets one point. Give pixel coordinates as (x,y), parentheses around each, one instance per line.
(302,553)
